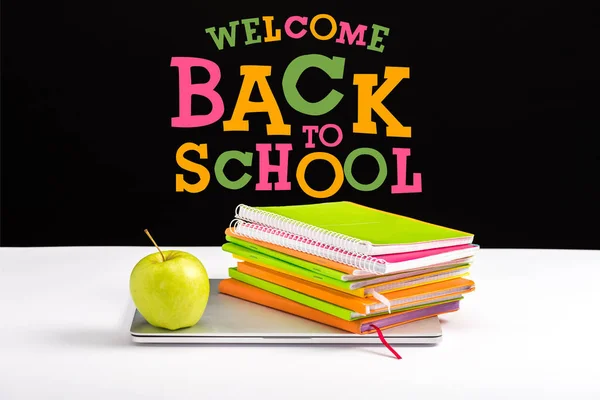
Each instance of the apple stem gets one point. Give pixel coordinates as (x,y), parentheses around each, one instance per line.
(155,245)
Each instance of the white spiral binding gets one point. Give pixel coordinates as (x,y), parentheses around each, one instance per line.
(289,225)
(307,245)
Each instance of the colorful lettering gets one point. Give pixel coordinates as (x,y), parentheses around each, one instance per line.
(256,74)
(288,26)
(204,175)
(381,175)
(402,186)
(333,67)
(376,40)
(224,158)
(337,169)
(271,37)
(310,130)
(369,101)
(187,89)
(251,36)
(313,24)
(370,98)
(223,35)
(265,167)
(339,135)
(346,31)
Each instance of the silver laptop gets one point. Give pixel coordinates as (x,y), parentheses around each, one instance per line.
(231,320)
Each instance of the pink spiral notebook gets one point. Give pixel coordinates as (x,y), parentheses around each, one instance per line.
(381,264)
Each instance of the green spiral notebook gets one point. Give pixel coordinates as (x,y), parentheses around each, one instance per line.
(355,228)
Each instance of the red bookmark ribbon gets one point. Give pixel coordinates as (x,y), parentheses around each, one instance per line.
(385,343)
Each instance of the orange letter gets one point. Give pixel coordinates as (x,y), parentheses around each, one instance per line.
(180,184)
(256,74)
(271,37)
(337,169)
(369,101)
(332,30)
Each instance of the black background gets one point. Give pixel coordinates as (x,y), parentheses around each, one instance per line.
(502,101)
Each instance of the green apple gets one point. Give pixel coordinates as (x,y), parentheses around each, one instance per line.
(172,292)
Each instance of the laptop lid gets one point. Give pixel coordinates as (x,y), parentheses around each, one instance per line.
(231,320)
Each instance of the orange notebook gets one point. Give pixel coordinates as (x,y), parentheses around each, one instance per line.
(253,294)
(430,293)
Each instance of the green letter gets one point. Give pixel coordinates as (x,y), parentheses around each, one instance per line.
(333,67)
(364,151)
(244,158)
(375,39)
(224,34)
(250,31)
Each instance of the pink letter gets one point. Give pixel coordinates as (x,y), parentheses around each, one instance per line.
(264,167)
(187,89)
(322,135)
(346,30)
(288,25)
(401,186)
(310,130)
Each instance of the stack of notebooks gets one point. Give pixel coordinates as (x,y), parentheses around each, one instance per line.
(346,265)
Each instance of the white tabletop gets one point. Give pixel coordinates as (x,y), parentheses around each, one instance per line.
(530,330)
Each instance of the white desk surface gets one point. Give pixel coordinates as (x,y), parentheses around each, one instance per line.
(530,330)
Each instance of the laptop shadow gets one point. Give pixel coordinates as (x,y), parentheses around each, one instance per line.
(90,338)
